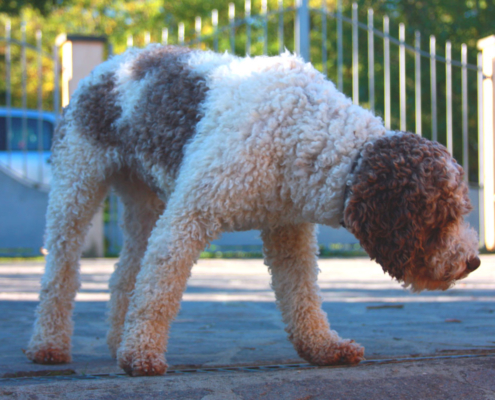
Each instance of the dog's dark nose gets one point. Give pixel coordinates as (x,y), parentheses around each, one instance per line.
(473,264)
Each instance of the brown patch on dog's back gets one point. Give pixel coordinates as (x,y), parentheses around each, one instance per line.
(98,109)
(170,106)
(165,116)
(155,59)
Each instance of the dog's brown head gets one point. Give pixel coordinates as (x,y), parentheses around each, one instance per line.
(406,206)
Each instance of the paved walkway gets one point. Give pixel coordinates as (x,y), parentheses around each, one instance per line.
(228,318)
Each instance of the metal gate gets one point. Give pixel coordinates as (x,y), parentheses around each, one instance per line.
(410,85)
(30,88)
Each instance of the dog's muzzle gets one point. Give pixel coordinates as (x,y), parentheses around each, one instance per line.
(473,264)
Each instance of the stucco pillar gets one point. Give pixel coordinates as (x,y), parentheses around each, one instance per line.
(487,46)
(80,55)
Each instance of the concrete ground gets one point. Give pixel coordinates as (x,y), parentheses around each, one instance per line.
(228,341)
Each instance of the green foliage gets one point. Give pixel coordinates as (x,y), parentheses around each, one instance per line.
(15,7)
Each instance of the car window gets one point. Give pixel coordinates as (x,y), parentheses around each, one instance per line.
(28,141)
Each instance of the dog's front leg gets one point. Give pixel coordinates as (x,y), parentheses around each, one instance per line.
(173,247)
(290,254)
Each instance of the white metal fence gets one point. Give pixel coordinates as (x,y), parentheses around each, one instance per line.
(26,127)
(411,85)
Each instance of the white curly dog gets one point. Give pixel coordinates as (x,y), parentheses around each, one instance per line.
(198,143)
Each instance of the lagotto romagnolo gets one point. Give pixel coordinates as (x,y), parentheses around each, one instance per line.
(198,143)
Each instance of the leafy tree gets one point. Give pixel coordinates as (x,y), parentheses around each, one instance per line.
(15,7)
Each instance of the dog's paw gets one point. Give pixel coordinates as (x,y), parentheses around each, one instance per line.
(142,364)
(49,356)
(333,353)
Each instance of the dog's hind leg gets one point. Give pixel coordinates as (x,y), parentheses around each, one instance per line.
(142,207)
(77,190)
(290,254)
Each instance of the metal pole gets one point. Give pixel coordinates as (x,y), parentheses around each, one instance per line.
(302,29)
(232,31)
(340,52)
(247,11)
(448,71)
(433,79)
(56,77)
(40,107)
(264,12)
(214,22)
(197,29)
(402,79)
(8,91)
(417,55)
(324,37)
(465,137)
(25,138)
(355,55)
(371,60)
(481,178)
(182,33)
(386,54)
(280,26)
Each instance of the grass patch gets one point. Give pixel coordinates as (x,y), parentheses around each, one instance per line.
(6,260)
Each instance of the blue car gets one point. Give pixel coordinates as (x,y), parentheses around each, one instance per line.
(28,155)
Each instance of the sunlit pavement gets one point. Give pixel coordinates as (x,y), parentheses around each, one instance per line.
(229,318)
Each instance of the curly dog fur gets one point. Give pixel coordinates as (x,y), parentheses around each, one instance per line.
(197,143)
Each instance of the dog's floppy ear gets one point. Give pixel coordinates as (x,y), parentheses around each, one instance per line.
(403,195)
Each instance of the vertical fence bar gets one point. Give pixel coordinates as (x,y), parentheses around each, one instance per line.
(355,55)
(232,27)
(481,178)
(280,26)
(165,36)
(324,37)
(402,79)
(417,77)
(197,30)
(465,137)
(25,138)
(386,55)
(264,12)
(147,38)
(448,75)
(40,106)
(130,41)
(8,91)
(182,33)
(247,12)
(214,22)
(371,60)
(56,85)
(433,83)
(340,52)
(302,29)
